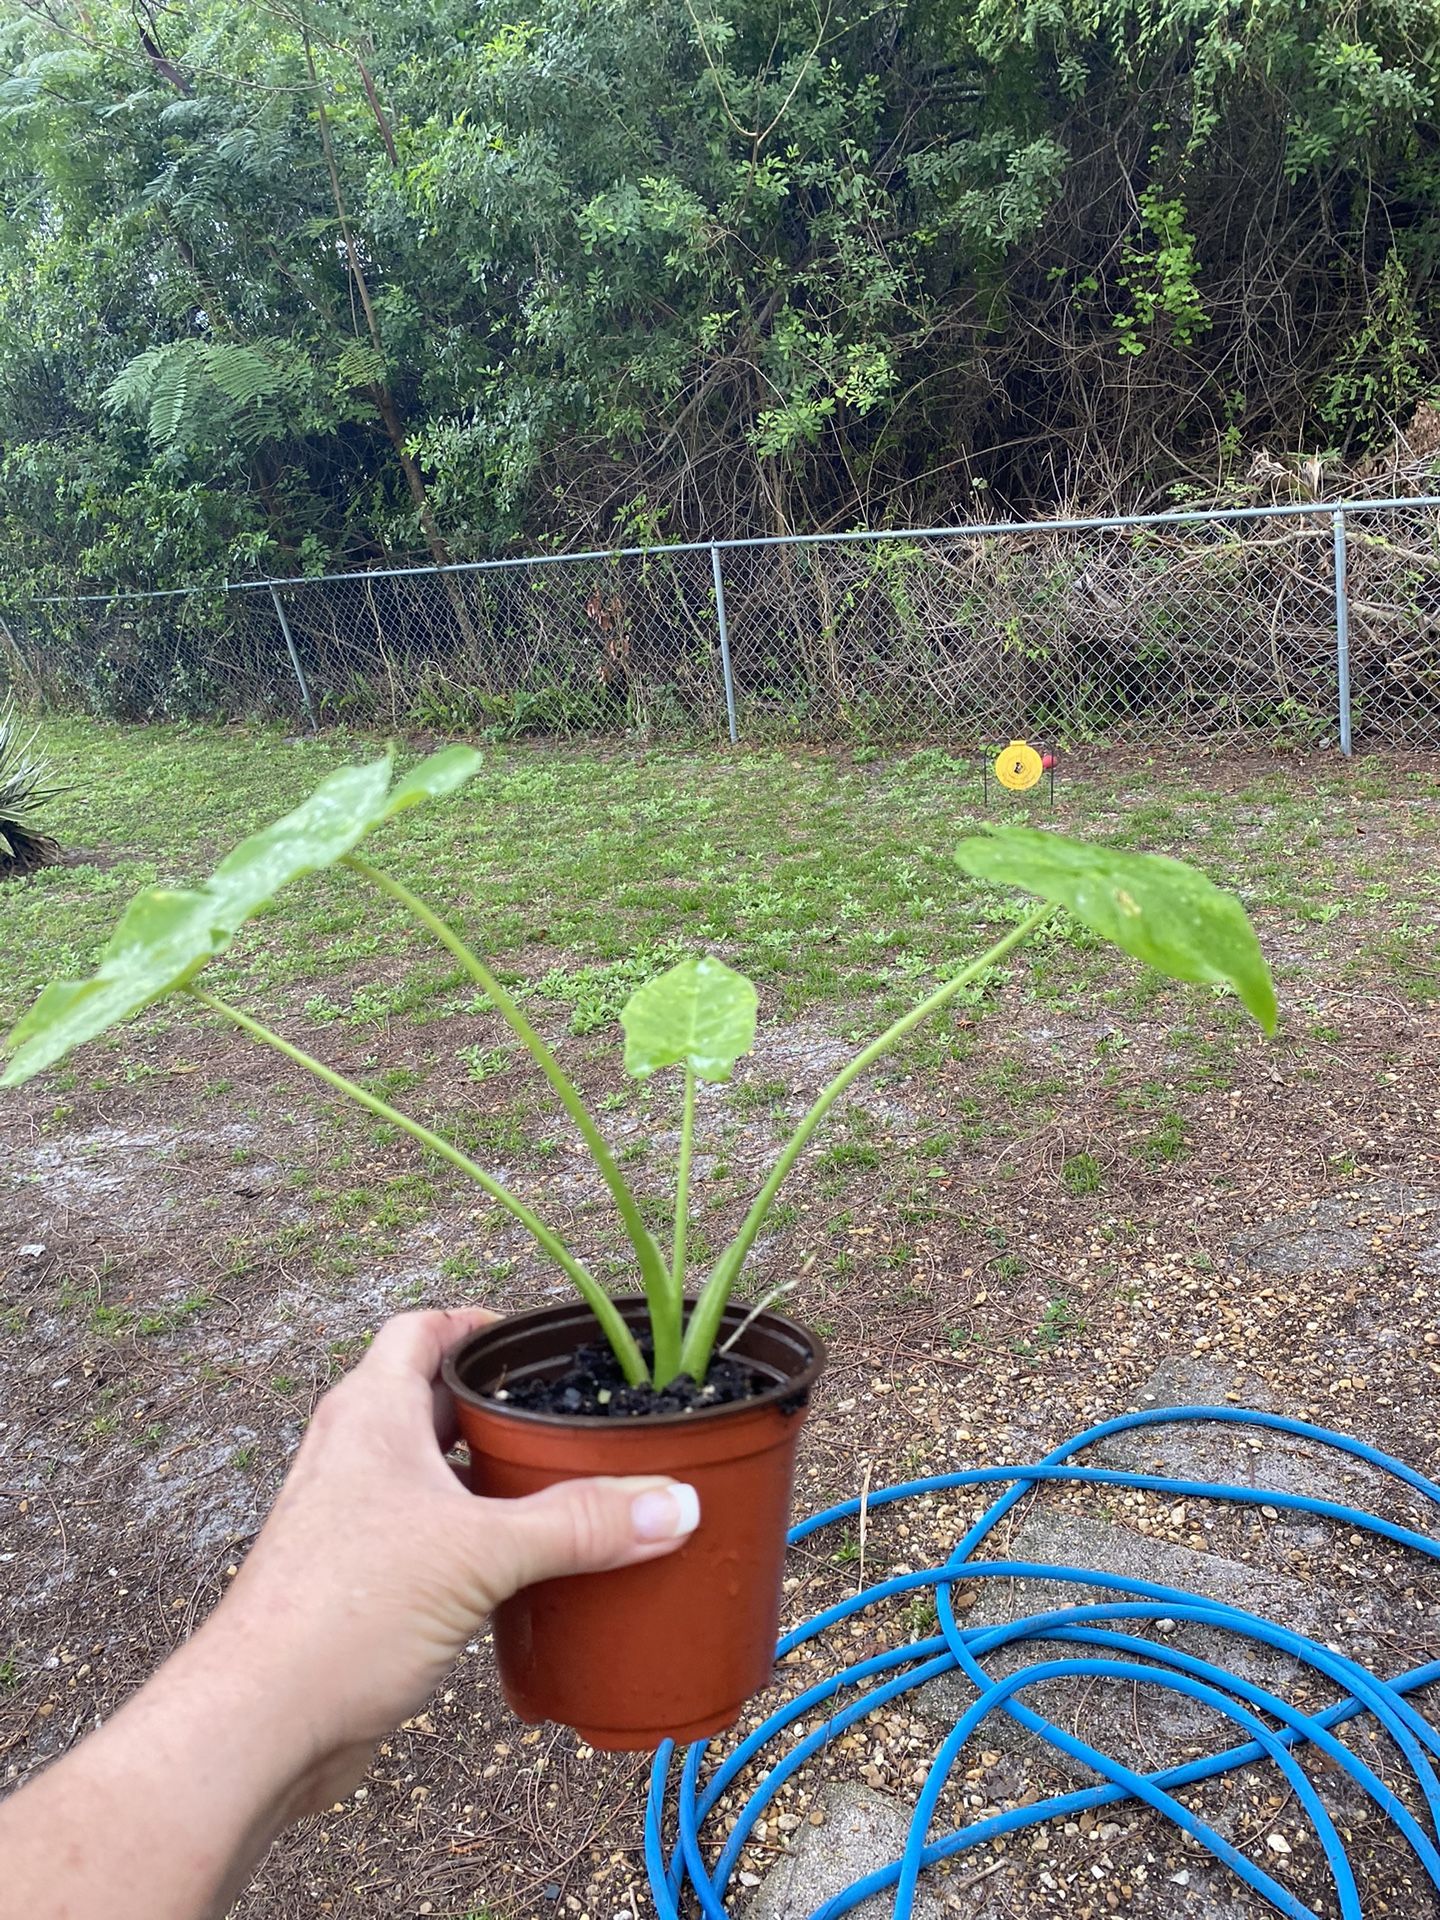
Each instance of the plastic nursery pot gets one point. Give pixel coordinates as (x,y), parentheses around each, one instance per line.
(674,1648)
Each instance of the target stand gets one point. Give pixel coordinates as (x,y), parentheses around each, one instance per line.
(1016,769)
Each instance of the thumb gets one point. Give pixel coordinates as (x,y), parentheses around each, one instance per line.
(588,1526)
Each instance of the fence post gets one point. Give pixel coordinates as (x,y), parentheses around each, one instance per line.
(1342,632)
(294,658)
(724,643)
(20,667)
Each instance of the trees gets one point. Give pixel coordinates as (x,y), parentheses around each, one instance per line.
(284,288)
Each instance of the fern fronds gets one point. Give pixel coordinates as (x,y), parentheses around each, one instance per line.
(358,365)
(191,391)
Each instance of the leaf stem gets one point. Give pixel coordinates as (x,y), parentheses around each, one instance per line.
(705,1320)
(654,1275)
(599,1302)
(682,1197)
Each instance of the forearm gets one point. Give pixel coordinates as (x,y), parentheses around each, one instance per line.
(374,1569)
(165,1811)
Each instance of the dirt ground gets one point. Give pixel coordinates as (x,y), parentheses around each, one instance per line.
(1008,1237)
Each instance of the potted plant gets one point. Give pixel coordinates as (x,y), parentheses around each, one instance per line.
(673,1380)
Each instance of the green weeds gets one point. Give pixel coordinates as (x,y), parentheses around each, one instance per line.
(1080,1174)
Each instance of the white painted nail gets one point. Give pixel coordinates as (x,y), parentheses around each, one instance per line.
(668,1513)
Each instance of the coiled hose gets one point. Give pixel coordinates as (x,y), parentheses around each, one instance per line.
(1102,1649)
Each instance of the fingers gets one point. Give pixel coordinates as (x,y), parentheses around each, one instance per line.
(586,1526)
(442,1411)
(416,1343)
(403,1362)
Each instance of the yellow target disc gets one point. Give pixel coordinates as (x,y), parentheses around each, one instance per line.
(1018,766)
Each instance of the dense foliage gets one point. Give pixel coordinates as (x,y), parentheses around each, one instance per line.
(285,288)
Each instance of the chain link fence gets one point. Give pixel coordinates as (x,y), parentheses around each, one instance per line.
(1393,600)
(185,655)
(1195,631)
(1284,624)
(602,645)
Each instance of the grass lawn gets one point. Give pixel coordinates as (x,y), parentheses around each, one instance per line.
(1079,1177)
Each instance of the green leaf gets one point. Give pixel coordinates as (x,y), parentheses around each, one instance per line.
(162,941)
(166,937)
(700,1014)
(443,773)
(1162,911)
(320,831)
(331,823)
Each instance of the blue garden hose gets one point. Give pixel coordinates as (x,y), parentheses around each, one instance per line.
(1087,1642)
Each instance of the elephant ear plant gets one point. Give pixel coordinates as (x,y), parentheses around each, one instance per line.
(670,1649)
(699,1017)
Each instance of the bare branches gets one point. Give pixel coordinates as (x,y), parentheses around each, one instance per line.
(758,135)
(148,32)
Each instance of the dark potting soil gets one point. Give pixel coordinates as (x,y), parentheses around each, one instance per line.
(593,1384)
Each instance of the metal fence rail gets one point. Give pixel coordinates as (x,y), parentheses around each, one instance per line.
(1296,623)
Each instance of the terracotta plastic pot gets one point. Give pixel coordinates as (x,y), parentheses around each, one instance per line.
(674,1648)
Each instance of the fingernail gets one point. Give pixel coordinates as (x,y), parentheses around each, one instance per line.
(667,1514)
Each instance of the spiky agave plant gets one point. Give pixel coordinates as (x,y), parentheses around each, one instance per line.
(25,786)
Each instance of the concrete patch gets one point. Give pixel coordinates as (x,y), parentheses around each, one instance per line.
(1146,1729)
(1232,1454)
(1330,1235)
(1322,1242)
(863,1830)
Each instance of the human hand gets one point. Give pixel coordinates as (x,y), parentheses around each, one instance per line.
(377,1565)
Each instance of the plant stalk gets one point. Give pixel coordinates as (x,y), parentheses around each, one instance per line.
(682,1192)
(594,1295)
(704,1324)
(654,1276)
